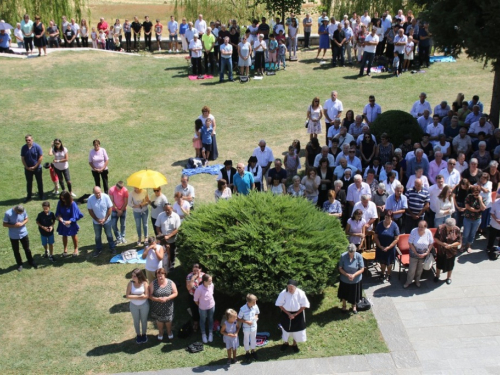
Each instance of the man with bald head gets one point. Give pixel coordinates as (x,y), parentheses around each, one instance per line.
(418,202)
(243,181)
(100,207)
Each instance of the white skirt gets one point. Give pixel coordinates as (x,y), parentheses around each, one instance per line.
(314,127)
(299,336)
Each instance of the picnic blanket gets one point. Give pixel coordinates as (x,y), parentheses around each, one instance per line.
(119,259)
(434,59)
(211,169)
(195,78)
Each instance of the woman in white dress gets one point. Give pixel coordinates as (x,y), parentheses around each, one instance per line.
(314,116)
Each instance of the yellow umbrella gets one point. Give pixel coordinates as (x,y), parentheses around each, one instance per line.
(146,179)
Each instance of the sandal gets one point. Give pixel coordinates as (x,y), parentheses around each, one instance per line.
(65,254)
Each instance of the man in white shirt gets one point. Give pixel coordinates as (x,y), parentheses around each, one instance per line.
(357,189)
(196,48)
(442,109)
(434,192)
(424,120)
(370,46)
(344,137)
(332,109)
(420,106)
(419,175)
(186,190)
(173,28)
(76,29)
(100,208)
(481,126)
(462,142)
(167,224)
(366,19)
(400,41)
(264,158)
(324,154)
(450,174)
(371,110)
(200,25)
(494,229)
(369,210)
(435,130)
(333,131)
(461,165)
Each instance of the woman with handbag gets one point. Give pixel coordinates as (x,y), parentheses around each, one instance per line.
(351,268)
(314,115)
(449,240)
(138,294)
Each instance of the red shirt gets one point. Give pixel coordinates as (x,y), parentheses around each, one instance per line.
(103,26)
(119,197)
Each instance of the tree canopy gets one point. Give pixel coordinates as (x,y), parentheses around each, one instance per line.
(12,11)
(282,7)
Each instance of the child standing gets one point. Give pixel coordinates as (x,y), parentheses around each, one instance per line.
(45,221)
(158,31)
(281,54)
(198,124)
(292,163)
(206,132)
(395,64)
(93,36)
(102,39)
(229,331)
(273,52)
(249,315)
(109,44)
(53,177)
(408,53)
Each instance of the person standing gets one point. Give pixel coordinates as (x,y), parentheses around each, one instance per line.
(208,42)
(173,28)
(15,219)
(119,197)
(98,161)
(138,200)
(243,181)
(60,164)
(187,191)
(370,45)
(167,225)
(421,242)
(307,24)
(147,26)
(27,29)
(332,109)
(292,301)
(31,157)
(100,208)
(40,38)
(136,28)
(265,157)
(138,294)
(204,299)
(226,52)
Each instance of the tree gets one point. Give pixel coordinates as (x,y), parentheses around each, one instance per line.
(13,10)
(281,7)
(397,124)
(469,26)
(255,243)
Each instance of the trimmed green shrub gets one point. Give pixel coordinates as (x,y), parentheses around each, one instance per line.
(397,124)
(255,243)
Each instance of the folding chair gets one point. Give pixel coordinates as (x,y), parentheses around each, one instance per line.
(403,253)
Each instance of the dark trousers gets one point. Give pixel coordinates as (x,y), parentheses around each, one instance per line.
(110,45)
(380,48)
(493,233)
(128,42)
(327,126)
(367,58)
(399,223)
(64,175)
(85,41)
(137,37)
(25,242)
(332,47)
(28,44)
(77,40)
(401,62)
(209,58)
(260,62)
(307,36)
(147,41)
(338,54)
(411,223)
(423,55)
(429,218)
(194,309)
(216,53)
(196,61)
(29,182)
(173,253)
(97,179)
(389,53)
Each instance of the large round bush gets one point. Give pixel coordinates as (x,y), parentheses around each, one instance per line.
(397,124)
(255,243)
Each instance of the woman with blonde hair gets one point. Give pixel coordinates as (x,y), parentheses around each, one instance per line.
(314,115)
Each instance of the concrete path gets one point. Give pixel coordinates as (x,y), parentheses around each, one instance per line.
(437,329)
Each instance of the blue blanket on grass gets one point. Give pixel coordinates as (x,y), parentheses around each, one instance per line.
(211,169)
(119,259)
(434,59)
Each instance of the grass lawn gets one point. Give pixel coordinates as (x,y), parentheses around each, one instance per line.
(71,316)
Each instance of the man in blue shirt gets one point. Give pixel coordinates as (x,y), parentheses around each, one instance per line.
(5,42)
(243,181)
(32,156)
(397,204)
(100,208)
(15,219)
(206,132)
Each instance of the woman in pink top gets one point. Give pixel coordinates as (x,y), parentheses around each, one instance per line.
(98,161)
(204,298)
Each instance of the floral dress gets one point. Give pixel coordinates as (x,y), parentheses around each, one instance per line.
(314,124)
(162,312)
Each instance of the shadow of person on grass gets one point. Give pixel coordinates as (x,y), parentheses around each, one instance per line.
(127,346)
(383,76)
(474,257)
(120,308)
(180,163)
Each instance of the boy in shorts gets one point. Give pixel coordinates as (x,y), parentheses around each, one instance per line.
(273,52)
(45,221)
(158,31)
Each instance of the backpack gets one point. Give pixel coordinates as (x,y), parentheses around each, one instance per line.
(195,347)
(364,304)
(185,330)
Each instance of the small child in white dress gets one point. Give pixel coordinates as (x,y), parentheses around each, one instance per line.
(229,330)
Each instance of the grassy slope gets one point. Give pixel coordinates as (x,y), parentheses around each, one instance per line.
(71,315)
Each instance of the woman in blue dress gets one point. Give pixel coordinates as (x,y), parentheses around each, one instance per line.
(68,214)
(324,39)
(386,237)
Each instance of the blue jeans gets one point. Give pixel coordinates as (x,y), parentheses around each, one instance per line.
(109,235)
(204,315)
(367,58)
(223,63)
(440,220)
(470,229)
(119,234)
(141,218)
(485,218)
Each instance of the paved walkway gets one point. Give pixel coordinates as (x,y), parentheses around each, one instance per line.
(436,329)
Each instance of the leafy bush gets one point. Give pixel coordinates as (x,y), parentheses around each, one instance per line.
(397,124)
(255,243)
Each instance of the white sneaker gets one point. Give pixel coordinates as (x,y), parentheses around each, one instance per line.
(210,337)
(123,240)
(73,195)
(159,48)
(177,50)
(204,338)
(169,51)
(57,192)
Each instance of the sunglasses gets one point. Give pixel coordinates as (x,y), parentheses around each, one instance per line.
(156,190)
